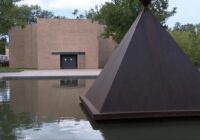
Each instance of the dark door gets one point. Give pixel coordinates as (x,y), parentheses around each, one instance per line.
(68,61)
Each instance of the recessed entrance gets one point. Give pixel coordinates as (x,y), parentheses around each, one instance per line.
(68,61)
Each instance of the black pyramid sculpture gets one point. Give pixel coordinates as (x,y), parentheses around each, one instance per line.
(147,76)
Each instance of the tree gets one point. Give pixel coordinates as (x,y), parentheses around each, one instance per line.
(30,14)
(14,15)
(188,38)
(6,16)
(118,15)
(60,17)
(7,20)
(190,28)
(77,15)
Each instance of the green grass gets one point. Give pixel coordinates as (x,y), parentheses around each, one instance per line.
(7,69)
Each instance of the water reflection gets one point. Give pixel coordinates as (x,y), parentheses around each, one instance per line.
(64,129)
(72,83)
(47,99)
(50,109)
(4,92)
(45,109)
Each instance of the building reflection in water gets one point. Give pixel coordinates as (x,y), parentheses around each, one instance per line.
(49,100)
(72,83)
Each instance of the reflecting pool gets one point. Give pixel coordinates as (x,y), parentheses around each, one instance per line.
(50,109)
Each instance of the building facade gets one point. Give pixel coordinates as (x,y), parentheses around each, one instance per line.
(59,44)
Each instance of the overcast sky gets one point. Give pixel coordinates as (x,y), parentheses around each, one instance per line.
(188,11)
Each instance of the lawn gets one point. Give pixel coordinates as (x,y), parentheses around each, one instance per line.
(7,69)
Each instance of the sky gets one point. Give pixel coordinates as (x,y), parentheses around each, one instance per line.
(188,11)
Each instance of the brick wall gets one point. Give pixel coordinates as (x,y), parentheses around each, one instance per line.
(66,36)
(16,47)
(32,47)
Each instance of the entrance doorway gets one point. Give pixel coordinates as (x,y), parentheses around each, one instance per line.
(68,61)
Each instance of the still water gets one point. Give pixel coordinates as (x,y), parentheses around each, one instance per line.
(51,110)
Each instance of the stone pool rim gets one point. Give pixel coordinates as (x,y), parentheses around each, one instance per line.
(51,74)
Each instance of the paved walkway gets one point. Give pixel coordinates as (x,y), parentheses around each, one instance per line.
(38,74)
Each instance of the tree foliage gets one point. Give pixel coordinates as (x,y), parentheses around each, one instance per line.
(77,15)
(30,14)
(118,15)
(188,38)
(13,15)
(6,16)
(7,19)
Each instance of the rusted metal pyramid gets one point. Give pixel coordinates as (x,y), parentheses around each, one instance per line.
(147,76)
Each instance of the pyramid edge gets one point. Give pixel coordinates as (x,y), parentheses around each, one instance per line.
(98,116)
